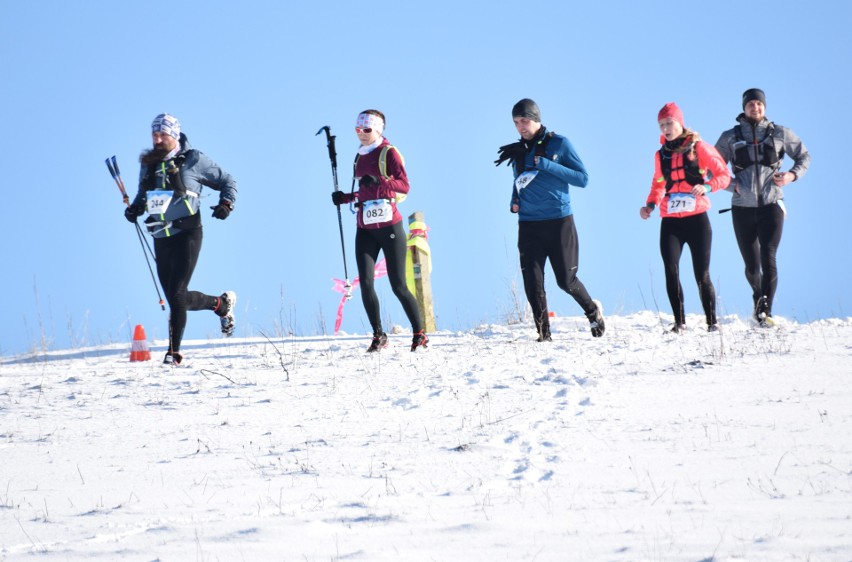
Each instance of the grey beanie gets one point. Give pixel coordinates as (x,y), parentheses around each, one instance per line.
(753,94)
(527,108)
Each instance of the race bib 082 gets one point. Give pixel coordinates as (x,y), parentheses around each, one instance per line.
(377,211)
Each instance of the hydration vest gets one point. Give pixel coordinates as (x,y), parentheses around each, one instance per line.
(767,154)
(166,175)
(383,170)
(383,160)
(540,150)
(687,171)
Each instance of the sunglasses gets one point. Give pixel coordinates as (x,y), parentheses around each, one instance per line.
(360,130)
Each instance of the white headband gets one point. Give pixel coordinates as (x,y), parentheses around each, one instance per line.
(370,121)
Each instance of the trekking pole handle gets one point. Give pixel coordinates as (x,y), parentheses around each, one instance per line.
(112,166)
(332,153)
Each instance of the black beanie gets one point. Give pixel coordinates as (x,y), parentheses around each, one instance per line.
(753,94)
(527,108)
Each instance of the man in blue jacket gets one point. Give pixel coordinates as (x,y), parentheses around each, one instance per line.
(170,183)
(545,165)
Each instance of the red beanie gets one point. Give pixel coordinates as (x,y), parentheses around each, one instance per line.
(671,110)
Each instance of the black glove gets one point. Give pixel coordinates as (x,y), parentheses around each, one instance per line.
(367,181)
(133,212)
(511,152)
(337,197)
(223,209)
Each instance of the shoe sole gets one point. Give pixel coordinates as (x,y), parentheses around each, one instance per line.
(228,325)
(228,322)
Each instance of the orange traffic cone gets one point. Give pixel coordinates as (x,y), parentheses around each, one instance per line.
(139,350)
(551,314)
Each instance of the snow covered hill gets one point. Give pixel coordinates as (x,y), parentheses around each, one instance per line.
(486,446)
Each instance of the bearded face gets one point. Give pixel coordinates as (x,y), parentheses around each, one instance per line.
(163,144)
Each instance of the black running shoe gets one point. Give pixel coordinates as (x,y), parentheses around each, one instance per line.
(172,358)
(761,310)
(380,341)
(225,310)
(596,321)
(419,340)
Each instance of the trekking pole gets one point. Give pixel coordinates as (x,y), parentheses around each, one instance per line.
(332,155)
(112,165)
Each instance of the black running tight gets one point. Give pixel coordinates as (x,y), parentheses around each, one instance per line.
(758,231)
(392,241)
(694,231)
(554,240)
(176,259)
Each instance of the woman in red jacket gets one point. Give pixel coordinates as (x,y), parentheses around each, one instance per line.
(382,182)
(686,170)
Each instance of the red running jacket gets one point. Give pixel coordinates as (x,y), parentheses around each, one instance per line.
(711,166)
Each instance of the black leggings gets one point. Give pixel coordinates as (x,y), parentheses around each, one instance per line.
(390,240)
(758,231)
(695,232)
(176,259)
(556,240)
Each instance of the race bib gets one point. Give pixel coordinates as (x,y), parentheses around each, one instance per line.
(377,211)
(681,203)
(525,179)
(158,201)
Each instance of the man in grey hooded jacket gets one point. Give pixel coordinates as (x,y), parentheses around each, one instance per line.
(171,179)
(756,147)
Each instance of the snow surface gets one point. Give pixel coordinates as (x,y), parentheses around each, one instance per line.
(485,446)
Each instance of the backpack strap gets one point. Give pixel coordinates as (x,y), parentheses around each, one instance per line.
(691,171)
(781,152)
(540,150)
(166,175)
(383,159)
(383,168)
(541,146)
(767,154)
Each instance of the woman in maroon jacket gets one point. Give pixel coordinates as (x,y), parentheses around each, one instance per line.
(382,183)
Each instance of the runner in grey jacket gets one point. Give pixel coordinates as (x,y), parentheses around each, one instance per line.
(756,148)
(184,174)
(170,183)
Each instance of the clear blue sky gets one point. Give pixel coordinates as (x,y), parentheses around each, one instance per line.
(252,82)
